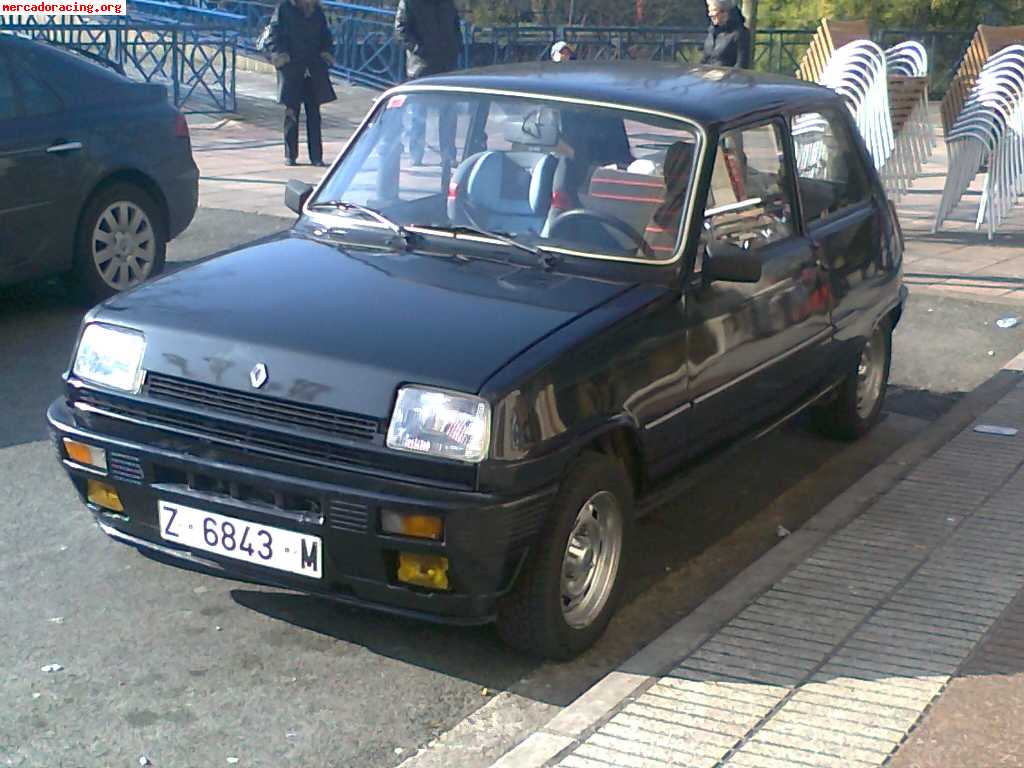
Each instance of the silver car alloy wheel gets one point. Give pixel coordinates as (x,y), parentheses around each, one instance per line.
(590,565)
(871,373)
(123,245)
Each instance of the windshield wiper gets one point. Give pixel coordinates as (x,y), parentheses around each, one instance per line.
(546,258)
(370,213)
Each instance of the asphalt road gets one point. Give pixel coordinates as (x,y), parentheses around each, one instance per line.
(191,670)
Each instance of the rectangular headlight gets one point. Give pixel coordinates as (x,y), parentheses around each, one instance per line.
(111,357)
(439,423)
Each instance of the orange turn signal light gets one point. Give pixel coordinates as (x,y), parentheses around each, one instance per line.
(417,526)
(85,454)
(103,495)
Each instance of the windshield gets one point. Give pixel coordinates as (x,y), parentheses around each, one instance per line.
(552,175)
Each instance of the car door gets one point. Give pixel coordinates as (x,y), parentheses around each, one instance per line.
(841,213)
(39,160)
(754,349)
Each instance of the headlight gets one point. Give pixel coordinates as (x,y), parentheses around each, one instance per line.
(439,423)
(111,357)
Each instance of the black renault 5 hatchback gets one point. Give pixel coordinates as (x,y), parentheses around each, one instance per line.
(449,389)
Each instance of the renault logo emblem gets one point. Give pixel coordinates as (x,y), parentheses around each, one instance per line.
(258,375)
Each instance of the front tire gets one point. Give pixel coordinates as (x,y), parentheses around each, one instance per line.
(121,242)
(572,580)
(858,403)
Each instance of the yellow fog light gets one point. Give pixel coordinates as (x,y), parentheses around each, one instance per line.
(88,455)
(103,495)
(429,571)
(418,526)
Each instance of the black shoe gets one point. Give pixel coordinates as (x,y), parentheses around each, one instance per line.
(289,161)
(318,163)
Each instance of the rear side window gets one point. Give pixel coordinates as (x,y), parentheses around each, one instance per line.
(829,169)
(749,203)
(37,98)
(8,103)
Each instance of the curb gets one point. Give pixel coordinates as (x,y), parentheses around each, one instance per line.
(575,722)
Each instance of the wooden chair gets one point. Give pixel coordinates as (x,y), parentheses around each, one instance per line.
(829,36)
(987,41)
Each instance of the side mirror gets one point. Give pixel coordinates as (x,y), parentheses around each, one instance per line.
(295,195)
(732,264)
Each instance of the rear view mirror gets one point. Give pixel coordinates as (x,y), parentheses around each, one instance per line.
(732,264)
(295,195)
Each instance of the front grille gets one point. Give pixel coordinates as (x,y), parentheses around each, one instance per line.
(347,516)
(235,434)
(125,468)
(267,409)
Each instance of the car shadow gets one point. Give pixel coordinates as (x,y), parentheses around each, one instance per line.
(727,515)
(38,325)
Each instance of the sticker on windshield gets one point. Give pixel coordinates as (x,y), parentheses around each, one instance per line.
(396,102)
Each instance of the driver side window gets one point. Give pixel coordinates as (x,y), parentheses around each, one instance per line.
(749,204)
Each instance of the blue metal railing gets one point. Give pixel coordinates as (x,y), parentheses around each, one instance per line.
(195,60)
(368,53)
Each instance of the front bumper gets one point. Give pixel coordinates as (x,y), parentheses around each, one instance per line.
(485,538)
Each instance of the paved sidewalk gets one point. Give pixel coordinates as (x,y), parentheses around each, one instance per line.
(840,658)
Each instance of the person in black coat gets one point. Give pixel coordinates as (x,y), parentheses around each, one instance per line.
(728,40)
(301,47)
(432,35)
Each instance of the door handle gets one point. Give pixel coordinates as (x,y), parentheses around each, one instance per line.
(67,146)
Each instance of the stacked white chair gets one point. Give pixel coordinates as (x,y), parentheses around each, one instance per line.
(809,131)
(907,65)
(989,133)
(857,71)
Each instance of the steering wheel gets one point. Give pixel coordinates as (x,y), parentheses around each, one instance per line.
(581,217)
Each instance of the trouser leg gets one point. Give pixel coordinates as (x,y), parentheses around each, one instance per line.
(417,132)
(291,131)
(314,142)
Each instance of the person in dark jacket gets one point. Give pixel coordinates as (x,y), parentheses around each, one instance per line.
(588,138)
(432,35)
(728,40)
(300,47)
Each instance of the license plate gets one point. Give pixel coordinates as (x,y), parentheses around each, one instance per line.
(258,544)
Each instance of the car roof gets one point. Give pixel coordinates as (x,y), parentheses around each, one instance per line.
(708,95)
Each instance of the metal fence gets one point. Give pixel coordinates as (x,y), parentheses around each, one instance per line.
(368,53)
(196,60)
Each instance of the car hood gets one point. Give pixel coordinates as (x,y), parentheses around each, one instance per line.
(344,328)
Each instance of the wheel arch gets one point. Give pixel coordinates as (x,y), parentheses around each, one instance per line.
(127,176)
(620,440)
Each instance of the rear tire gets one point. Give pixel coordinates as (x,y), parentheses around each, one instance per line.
(858,402)
(121,242)
(572,580)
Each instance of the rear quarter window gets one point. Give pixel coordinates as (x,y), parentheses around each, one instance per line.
(829,168)
(74,77)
